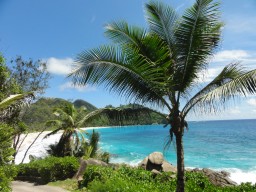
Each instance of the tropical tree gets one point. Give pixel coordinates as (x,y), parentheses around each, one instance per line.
(161,66)
(70,120)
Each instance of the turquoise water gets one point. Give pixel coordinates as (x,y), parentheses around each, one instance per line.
(220,145)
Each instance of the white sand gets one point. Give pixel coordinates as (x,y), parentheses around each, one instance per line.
(39,148)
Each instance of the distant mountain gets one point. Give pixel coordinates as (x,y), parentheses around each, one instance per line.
(81,103)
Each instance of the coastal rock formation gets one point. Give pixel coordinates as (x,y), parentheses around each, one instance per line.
(83,165)
(156,158)
(156,161)
(217,178)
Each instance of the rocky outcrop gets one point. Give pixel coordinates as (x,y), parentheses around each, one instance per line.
(217,178)
(84,164)
(155,161)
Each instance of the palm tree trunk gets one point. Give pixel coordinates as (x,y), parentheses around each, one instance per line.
(180,163)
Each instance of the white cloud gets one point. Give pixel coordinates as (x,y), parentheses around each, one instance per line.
(234,111)
(70,85)
(252,102)
(59,66)
(231,55)
(208,74)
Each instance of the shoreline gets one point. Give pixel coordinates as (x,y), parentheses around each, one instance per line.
(40,146)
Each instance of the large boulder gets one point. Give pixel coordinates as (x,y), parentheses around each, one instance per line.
(217,178)
(156,161)
(96,162)
(168,167)
(156,158)
(84,164)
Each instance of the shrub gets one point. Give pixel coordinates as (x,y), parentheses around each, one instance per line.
(50,168)
(7,172)
(6,151)
(123,179)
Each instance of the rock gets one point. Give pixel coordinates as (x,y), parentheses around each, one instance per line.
(217,178)
(150,166)
(156,161)
(143,164)
(95,162)
(83,164)
(168,167)
(79,174)
(155,172)
(156,158)
(225,173)
(189,169)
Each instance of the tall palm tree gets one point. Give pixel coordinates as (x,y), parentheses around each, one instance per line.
(70,120)
(161,66)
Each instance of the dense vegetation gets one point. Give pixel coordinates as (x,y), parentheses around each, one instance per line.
(125,179)
(42,110)
(48,169)
(116,179)
(7,172)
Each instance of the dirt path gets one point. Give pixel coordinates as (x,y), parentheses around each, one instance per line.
(19,186)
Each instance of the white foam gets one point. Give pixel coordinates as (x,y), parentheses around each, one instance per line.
(240,176)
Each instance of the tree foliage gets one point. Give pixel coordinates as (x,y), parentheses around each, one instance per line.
(6,150)
(31,76)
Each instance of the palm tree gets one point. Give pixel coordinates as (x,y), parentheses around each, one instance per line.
(70,120)
(161,66)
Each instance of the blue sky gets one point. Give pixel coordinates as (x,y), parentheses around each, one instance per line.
(57,30)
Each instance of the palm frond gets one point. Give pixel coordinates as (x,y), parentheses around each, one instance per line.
(241,85)
(134,40)
(53,123)
(52,133)
(228,73)
(162,20)
(18,99)
(197,37)
(122,33)
(13,103)
(108,66)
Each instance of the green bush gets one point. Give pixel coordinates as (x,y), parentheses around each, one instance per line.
(125,179)
(50,168)
(7,172)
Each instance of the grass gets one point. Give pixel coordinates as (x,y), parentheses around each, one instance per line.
(68,184)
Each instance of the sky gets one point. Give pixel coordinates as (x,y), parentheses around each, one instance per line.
(57,30)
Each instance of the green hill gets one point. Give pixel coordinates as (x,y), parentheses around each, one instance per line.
(81,103)
(41,111)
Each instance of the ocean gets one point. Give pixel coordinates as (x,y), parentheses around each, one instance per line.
(228,145)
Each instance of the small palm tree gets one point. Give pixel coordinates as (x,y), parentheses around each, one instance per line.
(161,66)
(70,120)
